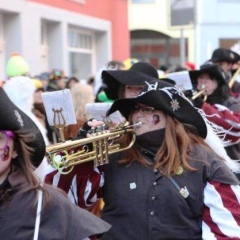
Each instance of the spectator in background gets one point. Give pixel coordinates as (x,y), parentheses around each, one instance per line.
(38,107)
(91,81)
(17,66)
(44,78)
(129,62)
(56,80)
(81,95)
(71,81)
(20,88)
(39,110)
(190,66)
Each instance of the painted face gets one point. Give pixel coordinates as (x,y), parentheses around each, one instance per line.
(6,154)
(208,84)
(150,118)
(131,91)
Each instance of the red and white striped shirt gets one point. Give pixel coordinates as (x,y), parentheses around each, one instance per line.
(221,212)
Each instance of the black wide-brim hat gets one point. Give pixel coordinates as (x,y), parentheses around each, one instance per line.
(165,98)
(113,79)
(224,55)
(13,119)
(210,68)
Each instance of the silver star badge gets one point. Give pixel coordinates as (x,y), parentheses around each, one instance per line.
(175,104)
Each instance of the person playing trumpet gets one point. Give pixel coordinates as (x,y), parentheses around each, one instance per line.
(168,165)
(220,106)
(117,84)
(170,184)
(228,60)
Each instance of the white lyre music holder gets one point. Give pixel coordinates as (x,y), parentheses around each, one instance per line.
(59,110)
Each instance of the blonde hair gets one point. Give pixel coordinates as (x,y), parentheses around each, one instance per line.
(81,94)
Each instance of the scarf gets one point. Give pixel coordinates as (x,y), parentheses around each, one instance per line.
(150,142)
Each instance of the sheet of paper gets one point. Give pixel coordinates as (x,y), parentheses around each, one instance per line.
(98,111)
(61,102)
(182,80)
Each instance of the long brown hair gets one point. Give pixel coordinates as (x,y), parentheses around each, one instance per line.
(174,151)
(23,162)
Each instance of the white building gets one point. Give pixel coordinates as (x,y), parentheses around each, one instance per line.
(49,37)
(214,23)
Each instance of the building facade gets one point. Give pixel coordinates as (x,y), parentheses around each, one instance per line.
(175,31)
(77,36)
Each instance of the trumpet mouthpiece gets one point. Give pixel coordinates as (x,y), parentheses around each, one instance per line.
(137,124)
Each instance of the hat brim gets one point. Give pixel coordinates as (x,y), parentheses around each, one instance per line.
(158,100)
(113,79)
(14,119)
(224,57)
(213,71)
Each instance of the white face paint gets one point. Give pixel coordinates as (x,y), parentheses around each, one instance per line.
(150,118)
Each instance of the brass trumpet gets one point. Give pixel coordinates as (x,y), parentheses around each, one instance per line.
(234,77)
(62,156)
(198,94)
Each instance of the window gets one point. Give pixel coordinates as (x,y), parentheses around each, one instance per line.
(81,53)
(79,40)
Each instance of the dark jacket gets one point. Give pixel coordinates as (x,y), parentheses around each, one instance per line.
(234,105)
(60,219)
(142,204)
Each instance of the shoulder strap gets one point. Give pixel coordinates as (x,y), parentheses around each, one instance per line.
(185,194)
(38,215)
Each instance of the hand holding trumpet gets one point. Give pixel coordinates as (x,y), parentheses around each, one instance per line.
(197,96)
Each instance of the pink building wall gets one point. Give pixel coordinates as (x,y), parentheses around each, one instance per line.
(115,11)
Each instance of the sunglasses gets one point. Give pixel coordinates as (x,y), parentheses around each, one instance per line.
(144,109)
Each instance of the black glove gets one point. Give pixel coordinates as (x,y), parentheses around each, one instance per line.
(83,131)
(198,102)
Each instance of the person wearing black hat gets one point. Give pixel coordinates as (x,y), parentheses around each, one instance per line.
(128,83)
(119,83)
(220,107)
(30,209)
(226,59)
(170,184)
(98,81)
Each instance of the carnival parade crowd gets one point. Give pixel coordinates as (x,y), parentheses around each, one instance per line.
(178,179)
